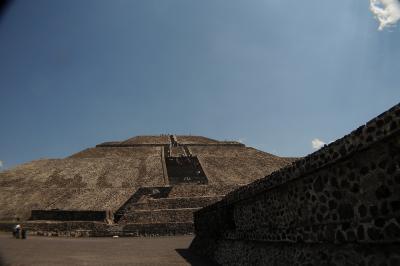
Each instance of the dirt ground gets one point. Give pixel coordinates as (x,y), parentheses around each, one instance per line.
(98,251)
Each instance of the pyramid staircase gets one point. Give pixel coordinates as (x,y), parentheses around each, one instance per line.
(156,213)
(150,211)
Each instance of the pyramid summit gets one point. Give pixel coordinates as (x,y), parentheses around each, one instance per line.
(142,185)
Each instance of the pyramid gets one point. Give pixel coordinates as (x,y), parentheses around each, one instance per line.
(143,185)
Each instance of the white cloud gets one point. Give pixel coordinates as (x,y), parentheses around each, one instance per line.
(317,143)
(387,12)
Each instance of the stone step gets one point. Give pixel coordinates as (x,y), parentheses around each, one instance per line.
(65,228)
(195,190)
(174,203)
(157,229)
(97,229)
(159,216)
(146,229)
(177,151)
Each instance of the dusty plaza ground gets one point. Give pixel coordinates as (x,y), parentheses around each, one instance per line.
(98,251)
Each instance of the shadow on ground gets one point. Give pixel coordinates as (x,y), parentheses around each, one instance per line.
(193,259)
(2,263)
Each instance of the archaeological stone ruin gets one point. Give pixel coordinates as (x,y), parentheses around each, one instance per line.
(144,186)
(337,206)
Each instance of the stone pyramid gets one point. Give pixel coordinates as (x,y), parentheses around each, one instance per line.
(146,185)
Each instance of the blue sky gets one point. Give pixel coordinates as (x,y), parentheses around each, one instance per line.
(275,74)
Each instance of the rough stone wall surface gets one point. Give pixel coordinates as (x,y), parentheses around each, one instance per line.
(190,190)
(176,203)
(159,216)
(60,215)
(164,139)
(240,164)
(337,206)
(195,140)
(99,229)
(94,179)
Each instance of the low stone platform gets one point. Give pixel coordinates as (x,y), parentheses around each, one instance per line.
(160,216)
(143,215)
(99,229)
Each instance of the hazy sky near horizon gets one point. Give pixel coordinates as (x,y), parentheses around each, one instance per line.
(275,74)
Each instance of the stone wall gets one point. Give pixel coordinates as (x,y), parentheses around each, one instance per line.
(98,229)
(337,206)
(176,203)
(71,215)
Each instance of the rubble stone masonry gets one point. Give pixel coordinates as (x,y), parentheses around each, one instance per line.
(337,206)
